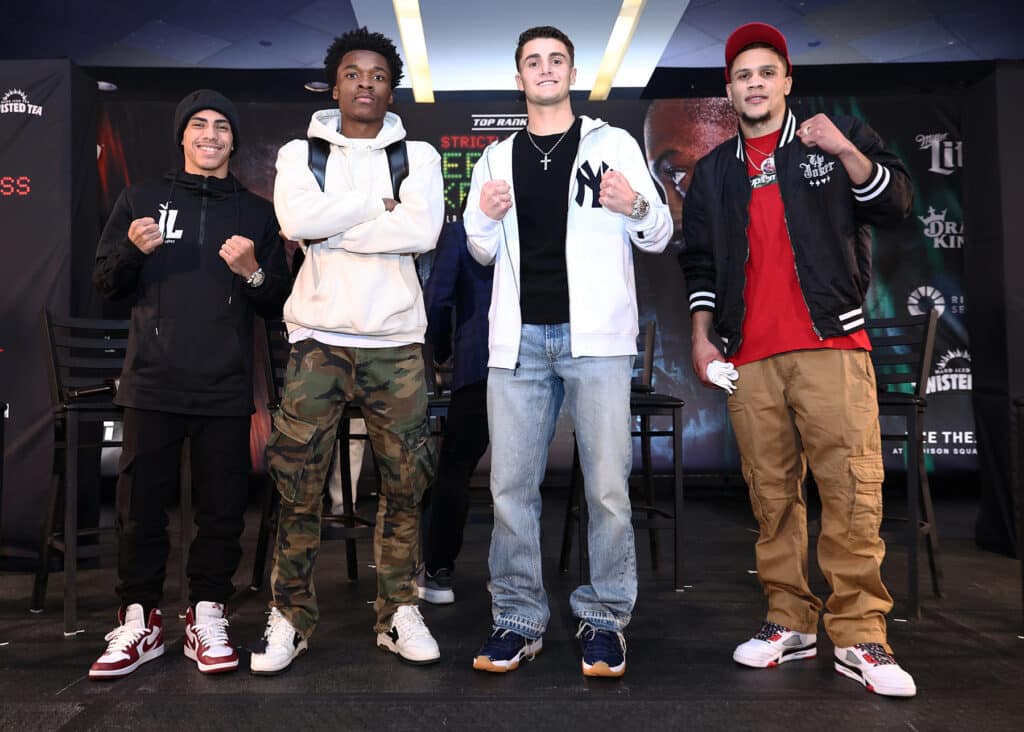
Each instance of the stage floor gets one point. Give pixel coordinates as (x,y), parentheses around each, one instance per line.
(966,653)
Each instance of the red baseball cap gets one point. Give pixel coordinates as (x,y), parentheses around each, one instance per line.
(752,33)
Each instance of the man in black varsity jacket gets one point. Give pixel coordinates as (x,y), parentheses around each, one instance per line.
(777,258)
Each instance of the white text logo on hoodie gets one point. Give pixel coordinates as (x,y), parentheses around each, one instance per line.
(168,217)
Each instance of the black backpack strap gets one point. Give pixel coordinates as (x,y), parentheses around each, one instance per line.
(398,162)
(319,149)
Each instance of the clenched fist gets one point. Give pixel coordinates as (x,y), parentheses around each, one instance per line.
(495,199)
(145,234)
(239,254)
(616,193)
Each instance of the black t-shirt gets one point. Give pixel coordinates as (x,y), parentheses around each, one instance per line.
(542,206)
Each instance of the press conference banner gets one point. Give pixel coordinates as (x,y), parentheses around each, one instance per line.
(35,214)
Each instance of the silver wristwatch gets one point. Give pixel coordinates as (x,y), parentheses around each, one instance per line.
(640,207)
(257,277)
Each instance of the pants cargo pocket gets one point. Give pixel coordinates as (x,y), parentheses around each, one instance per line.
(756,504)
(289,451)
(418,460)
(867,475)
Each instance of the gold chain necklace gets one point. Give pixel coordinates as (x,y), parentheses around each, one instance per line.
(767,165)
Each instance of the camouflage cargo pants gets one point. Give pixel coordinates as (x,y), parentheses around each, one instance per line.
(388,385)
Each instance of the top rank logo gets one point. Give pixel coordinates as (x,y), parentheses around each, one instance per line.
(498,122)
(15,101)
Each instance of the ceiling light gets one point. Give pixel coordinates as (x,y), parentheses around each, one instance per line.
(106,86)
(414,44)
(316,86)
(618,44)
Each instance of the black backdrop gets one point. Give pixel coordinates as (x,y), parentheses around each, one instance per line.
(919,265)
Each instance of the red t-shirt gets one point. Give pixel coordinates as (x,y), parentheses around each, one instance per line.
(776,319)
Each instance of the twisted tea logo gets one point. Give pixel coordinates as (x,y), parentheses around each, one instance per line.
(925,299)
(15,101)
(944,234)
(952,372)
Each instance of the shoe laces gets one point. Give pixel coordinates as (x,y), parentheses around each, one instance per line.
(123,636)
(212,632)
(410,623)
(601,643)
(502,643)
(279,631)
(875,654)
(771,632)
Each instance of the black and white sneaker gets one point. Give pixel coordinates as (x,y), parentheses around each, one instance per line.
(281,645)
(875,668)
(775,644)
(409,638)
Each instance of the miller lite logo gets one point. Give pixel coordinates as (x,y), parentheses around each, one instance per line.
(817,172)
(944,234)
(168,217)
(946,155)
(15,101)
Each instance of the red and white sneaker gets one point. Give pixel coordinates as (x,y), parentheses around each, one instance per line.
(775,644)
(875,668)
(206,638)
(132,643)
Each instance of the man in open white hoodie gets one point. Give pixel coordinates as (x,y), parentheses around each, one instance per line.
(557,208)
(356,321)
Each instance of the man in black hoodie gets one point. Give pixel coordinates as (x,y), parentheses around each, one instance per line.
(197,255)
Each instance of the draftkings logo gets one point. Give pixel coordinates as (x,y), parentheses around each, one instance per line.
(952,372)
(817,172)
(944,234)
(925,299)
(946,155)
(15,101)
(498,122)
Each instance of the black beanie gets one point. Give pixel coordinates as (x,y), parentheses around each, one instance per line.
(205,99)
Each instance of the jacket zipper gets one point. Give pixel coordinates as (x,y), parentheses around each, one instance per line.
(575,165)
(796,270)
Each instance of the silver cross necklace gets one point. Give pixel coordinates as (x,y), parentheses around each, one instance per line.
(547,153)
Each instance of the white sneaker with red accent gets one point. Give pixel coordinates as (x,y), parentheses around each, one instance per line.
(875,668)
(132,643)
(775,644)
(206,638)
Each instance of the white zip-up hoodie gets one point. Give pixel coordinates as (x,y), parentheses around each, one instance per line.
(359,275)
(598,255)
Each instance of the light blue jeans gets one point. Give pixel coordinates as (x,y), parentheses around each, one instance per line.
(522,408)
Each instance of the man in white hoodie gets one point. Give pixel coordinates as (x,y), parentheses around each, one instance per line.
(356,321)
(557,207)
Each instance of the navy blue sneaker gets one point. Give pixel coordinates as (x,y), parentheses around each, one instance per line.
(504,650)
(604,651)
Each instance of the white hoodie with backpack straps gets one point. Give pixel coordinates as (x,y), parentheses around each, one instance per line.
(359,275)
(598,246)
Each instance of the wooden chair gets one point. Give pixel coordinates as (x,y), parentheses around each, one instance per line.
(85,357)
(902,355)
(645,404)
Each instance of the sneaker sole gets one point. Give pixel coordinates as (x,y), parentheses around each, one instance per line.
(778,660)
(529,652)
(211,668)
(385,644)
(603,670)
(274,672)
(436,597)
(852,673)
(104,675)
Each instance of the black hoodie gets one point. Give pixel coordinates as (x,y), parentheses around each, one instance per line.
(190,346)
